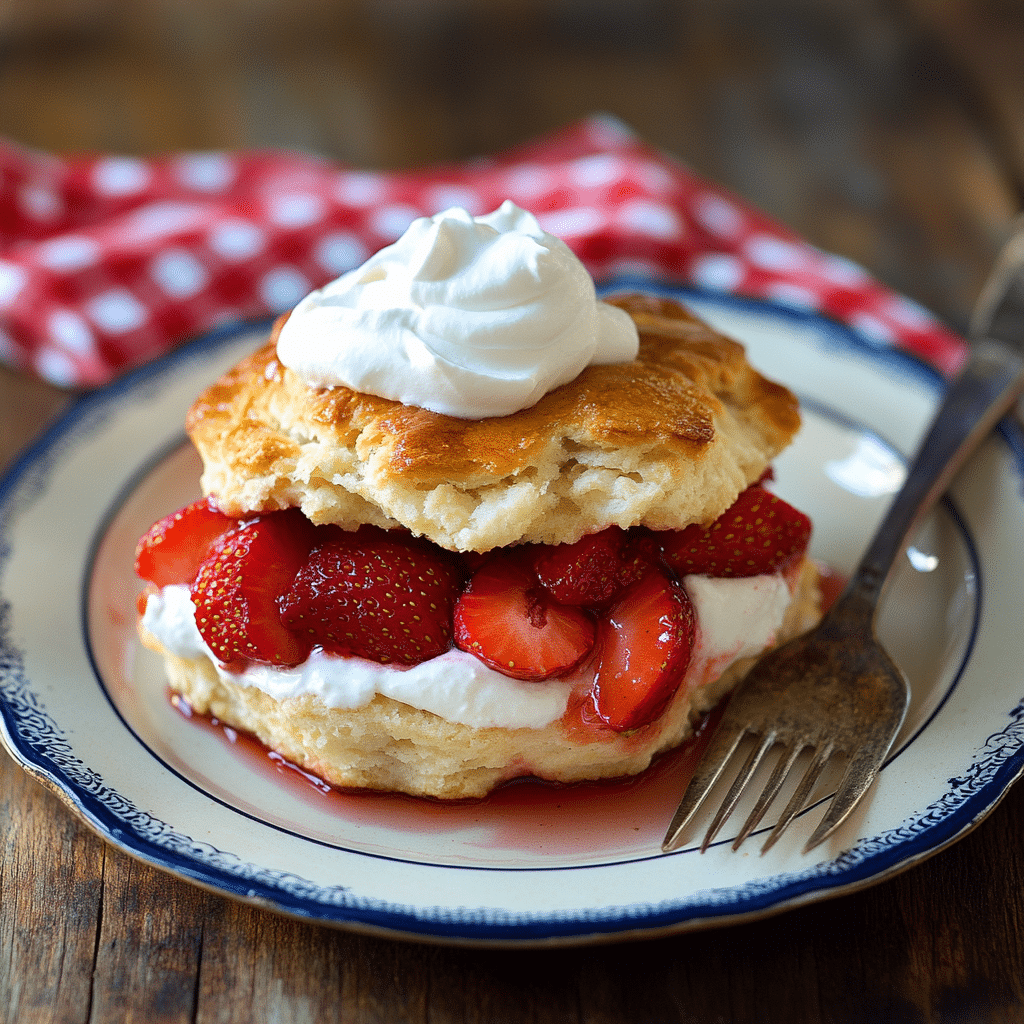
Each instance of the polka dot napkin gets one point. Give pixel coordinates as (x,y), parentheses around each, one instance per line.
(107,262)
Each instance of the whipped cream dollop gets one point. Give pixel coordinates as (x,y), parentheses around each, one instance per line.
(467,316)
(736,619)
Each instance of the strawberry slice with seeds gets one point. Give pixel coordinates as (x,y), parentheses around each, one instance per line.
(589,572)
(375,595)
(238,586)
(759,534)
(513,625)
(173,548)
(644,644)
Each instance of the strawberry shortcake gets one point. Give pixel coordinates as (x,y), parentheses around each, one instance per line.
(465,522)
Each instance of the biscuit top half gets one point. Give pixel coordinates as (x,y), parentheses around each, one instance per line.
(666,440)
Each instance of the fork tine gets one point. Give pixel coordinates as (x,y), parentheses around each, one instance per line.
(799,798)
(782,769)
(723,745)
(857,779)
(739,784)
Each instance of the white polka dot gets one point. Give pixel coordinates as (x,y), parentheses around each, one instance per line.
(719,216)
(844,272)
(608,131)
(12,280)
(358,189)
(654,177)
(718,270)
(120,176)
(580,220)
(282,287)
(237,240)
(391,222)
(340,252)
(164,219)
(224,317)
(873,329)
(56,367)
(633,267)
(445,197)
(40,202)
(179,273)
(909,314)
(70,332)
(290,178)
(205,172)
(793,295)
(69,252)
(116,311)
(529,181)
(595,171)
(296,211)
(649,218)
(771,253)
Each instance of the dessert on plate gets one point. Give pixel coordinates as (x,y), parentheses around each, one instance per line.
(465,522)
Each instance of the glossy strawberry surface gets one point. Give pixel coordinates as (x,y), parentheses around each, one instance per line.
(238,586)
(644,644)
(760,534)
(172,550)
(513,625)
(591,571)
(374,595)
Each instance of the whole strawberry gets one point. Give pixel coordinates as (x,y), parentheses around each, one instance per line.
(759,534)
(237,588)
(375,595)
(590,571)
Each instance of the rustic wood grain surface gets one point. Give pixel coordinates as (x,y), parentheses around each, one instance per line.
(890,131)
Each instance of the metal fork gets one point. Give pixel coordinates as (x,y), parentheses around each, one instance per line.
(835,690)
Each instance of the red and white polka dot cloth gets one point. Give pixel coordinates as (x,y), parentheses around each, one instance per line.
(107,262)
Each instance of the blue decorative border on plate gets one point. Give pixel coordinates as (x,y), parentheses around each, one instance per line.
(39,743)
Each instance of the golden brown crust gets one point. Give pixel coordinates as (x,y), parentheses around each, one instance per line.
(668,439)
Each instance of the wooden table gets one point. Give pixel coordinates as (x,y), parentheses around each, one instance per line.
(890,132)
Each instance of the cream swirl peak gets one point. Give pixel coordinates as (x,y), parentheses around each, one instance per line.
(467,316)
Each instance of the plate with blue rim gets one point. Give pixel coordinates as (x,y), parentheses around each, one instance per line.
(85,709)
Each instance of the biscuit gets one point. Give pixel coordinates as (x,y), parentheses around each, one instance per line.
(664,441)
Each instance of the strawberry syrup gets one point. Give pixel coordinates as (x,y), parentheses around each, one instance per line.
(830,583)
(547,819)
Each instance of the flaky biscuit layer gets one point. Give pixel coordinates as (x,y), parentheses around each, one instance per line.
(664,441)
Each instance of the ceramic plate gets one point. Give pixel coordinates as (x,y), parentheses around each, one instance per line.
(85,709)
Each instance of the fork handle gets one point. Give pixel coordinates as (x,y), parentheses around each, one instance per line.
(986,389)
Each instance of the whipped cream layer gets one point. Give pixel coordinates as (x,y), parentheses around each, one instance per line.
(736,618)
(468,316)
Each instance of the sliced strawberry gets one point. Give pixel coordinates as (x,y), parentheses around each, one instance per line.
(237,588)
(513,625)
(172,549)
(759,534)
(644,643)
(385,597)
(589,572)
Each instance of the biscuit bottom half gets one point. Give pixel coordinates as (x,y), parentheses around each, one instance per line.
(390,746)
